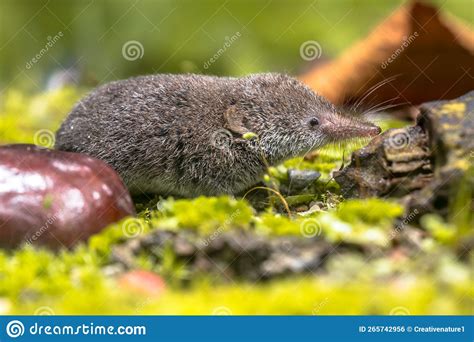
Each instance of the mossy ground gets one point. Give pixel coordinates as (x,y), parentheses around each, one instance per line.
(377,273)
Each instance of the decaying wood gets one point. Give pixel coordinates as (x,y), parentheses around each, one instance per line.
(427,163)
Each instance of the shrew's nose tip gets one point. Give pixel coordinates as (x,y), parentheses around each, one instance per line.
(376,130)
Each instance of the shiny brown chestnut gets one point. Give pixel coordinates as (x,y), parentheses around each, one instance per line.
(56,198)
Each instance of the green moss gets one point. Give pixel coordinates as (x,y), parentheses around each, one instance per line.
(362,222)
(206,214)
(436,280)
(22,116)
(100,244)
(369,211)
(354,286)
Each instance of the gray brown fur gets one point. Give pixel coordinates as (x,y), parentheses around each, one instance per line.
(164,133)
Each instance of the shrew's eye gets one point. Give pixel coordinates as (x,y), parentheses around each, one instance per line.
(314,122)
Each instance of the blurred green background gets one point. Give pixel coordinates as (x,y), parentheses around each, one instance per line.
(178,36)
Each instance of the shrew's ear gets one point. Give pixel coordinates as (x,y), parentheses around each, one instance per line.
(234,120)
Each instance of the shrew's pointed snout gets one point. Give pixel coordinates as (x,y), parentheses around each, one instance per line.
(341,127)
(373,131)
